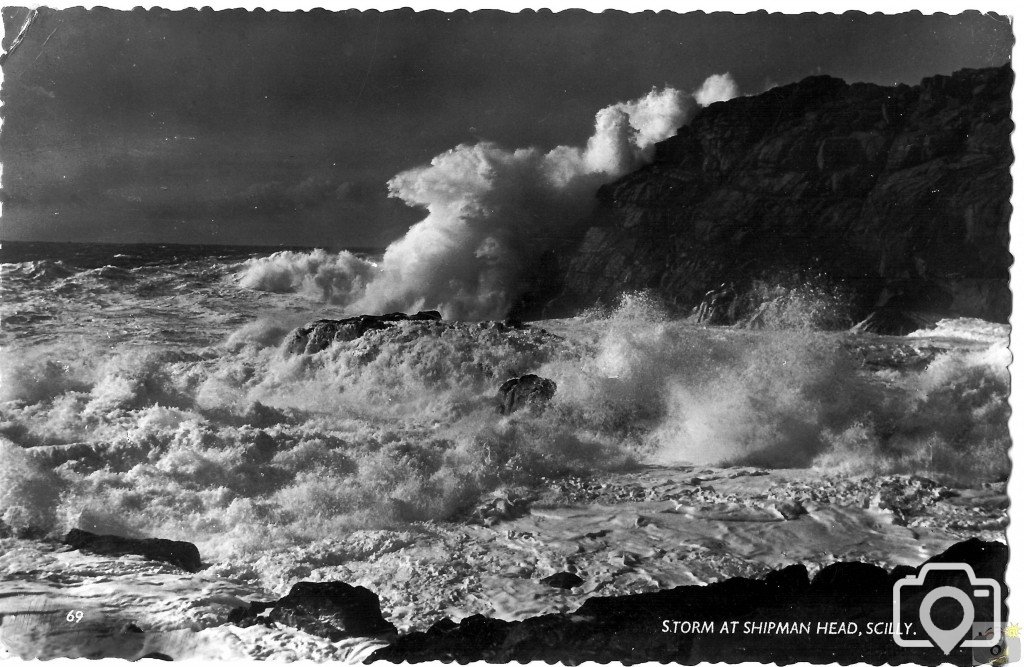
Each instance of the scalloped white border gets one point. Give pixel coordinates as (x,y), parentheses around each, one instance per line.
(1015,10)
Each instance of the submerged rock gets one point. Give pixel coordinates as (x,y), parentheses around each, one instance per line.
(331,609)
(319,335)
(182,554)
(530,391)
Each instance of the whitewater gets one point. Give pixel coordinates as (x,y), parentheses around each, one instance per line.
(147,390)
(158,392)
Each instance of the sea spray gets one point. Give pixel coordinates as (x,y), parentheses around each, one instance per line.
(951,418)
(491,213)
(239,443)
(767,406)
(29,494)
(319,275)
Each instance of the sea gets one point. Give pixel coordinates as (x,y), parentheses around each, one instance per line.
(134,294)
(147,390)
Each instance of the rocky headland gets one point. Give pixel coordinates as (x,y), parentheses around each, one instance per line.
(899,196)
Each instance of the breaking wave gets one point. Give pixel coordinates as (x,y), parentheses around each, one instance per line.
(241,443)
(491,211)
(319,275)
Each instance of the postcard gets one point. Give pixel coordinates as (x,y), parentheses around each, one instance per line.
(503,336)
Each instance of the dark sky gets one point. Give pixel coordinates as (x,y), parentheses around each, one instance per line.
(270,127)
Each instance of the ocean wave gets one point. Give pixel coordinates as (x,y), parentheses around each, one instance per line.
(491,212)
(108,272)
(329,277)
(243,442)
(967,328)
(42,270)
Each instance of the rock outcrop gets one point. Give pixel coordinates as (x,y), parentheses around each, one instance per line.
(182,554)
(527,391)
(60,603)
(563,580)
(846,607)
(901,194)
(330,609)
(318,335)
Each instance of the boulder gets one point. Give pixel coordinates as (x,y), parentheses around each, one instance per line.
(320,334)
(182,554)
(527,391)
(331,609)
(564,580)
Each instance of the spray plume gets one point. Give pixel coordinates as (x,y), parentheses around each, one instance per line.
(490,211)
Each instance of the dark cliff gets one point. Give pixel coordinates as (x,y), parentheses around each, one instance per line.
(901,194)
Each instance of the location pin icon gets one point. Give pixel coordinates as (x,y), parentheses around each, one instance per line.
(946,640)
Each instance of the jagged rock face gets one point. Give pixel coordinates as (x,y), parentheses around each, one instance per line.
(901,193)
(331,609)
(317,336)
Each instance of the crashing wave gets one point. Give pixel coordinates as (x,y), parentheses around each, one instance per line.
(491,212)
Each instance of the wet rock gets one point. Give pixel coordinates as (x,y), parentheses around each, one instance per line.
(901,571)
(631,628)
(263,448)
(564,580)
(331,609)
(182,554)
(846,580)
(987,559)
(262,416)
(527,391)
(501,508)
(893,321)
(444,625)
(790,509)
(788,580)
(319,335)
(718,306)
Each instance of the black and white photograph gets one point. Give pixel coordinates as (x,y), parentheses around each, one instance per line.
(370,336)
